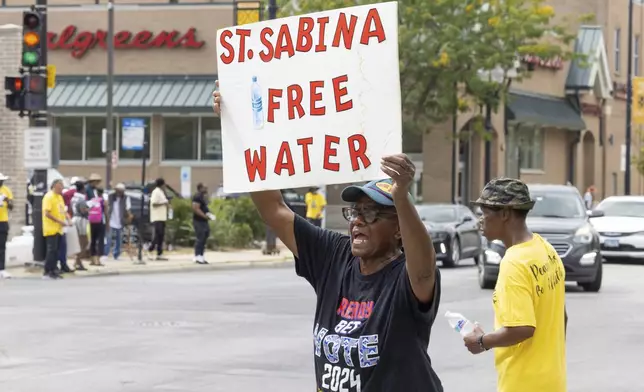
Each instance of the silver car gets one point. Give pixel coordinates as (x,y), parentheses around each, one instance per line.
(621,228)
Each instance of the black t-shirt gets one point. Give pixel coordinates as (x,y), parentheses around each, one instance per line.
(370,333)
(203,206)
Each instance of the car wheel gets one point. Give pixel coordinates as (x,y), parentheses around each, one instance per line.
(455,254)
(596,284)
(484,283)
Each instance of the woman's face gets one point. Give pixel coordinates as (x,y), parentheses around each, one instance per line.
(375,239)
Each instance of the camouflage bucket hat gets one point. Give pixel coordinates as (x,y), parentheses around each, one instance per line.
(506,192)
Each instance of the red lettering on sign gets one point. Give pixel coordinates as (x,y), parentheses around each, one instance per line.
(339,92)
(345,31)
(358,152)
(329,152)
(256,164)
(282,159)
(81,42)
(373,18)
(305,143)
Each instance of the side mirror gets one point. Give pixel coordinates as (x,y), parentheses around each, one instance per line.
(594,213)
(467,218)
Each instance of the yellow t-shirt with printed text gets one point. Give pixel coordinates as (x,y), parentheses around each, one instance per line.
(4,206)
(530,291)
(315,203)
(55,204)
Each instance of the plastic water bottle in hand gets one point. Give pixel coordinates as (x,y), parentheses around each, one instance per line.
(256,100)
(459,323)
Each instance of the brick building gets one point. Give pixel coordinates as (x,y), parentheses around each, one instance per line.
(564,123)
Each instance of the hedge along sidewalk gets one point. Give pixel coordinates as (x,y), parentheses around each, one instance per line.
(177,262)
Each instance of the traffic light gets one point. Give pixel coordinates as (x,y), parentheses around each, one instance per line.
(34,37)
(15,86)
(35,92)
(26,93)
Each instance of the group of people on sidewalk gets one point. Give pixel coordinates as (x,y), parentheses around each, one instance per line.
(84,213)
(82,223)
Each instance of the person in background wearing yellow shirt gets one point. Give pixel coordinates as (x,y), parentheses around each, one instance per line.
(529,339)
(315,203)
(53,221)
(6,204)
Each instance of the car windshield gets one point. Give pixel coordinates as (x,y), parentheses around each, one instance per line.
(622,208)
(438,214)
(557,205)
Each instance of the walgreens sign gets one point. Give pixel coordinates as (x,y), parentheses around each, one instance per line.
(80,42)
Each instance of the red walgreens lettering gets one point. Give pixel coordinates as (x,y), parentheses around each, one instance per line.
(295,94)
(285,44)
(256,159)
(81,42)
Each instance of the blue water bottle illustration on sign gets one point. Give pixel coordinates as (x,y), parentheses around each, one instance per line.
(258,110)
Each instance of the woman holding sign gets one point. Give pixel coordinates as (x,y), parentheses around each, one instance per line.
(375,303)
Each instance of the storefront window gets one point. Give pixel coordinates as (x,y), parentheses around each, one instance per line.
(180,138)
(71,137)
(94,137)
(210,139)
(530,141)
(129,154)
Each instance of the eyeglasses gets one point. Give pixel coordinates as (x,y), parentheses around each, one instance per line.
(368,215)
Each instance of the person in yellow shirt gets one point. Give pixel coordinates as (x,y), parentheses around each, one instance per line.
(315,203)
(6,205)
(54,219)
(529,338)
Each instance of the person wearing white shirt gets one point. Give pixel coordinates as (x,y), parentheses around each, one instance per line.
(119,212)
(158,216)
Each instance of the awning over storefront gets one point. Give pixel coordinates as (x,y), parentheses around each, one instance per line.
(544,110)
(592,71)
(133,94)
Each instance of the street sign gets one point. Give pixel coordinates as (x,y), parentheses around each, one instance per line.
(51,76)
(132,134)
(38,148)
(186,180)
(115,160)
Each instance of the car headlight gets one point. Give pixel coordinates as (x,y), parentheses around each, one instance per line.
(583,235)
(492,257)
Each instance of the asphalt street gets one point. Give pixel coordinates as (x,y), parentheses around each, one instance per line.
(251,330)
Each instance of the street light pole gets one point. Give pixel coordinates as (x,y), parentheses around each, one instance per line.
(629,101)
(272,9)
(110,137)
(488,143)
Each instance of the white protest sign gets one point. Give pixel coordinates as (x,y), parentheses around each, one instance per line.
(311,99)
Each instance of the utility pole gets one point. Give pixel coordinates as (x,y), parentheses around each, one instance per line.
(110,137)
(629,101)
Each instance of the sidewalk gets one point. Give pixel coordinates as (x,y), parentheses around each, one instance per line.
(178,261)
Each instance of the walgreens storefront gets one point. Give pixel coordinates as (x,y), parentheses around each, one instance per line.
(164,73)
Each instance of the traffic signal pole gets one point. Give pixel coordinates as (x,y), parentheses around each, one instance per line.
(40,179)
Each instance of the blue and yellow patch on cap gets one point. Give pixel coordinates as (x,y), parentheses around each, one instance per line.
(384,186)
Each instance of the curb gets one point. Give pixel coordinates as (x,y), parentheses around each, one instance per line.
(231,265)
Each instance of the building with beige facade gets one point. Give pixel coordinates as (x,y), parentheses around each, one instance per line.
(563,123)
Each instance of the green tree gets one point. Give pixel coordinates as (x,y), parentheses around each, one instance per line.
(445,43)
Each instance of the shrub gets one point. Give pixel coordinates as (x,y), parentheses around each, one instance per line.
(238,223)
